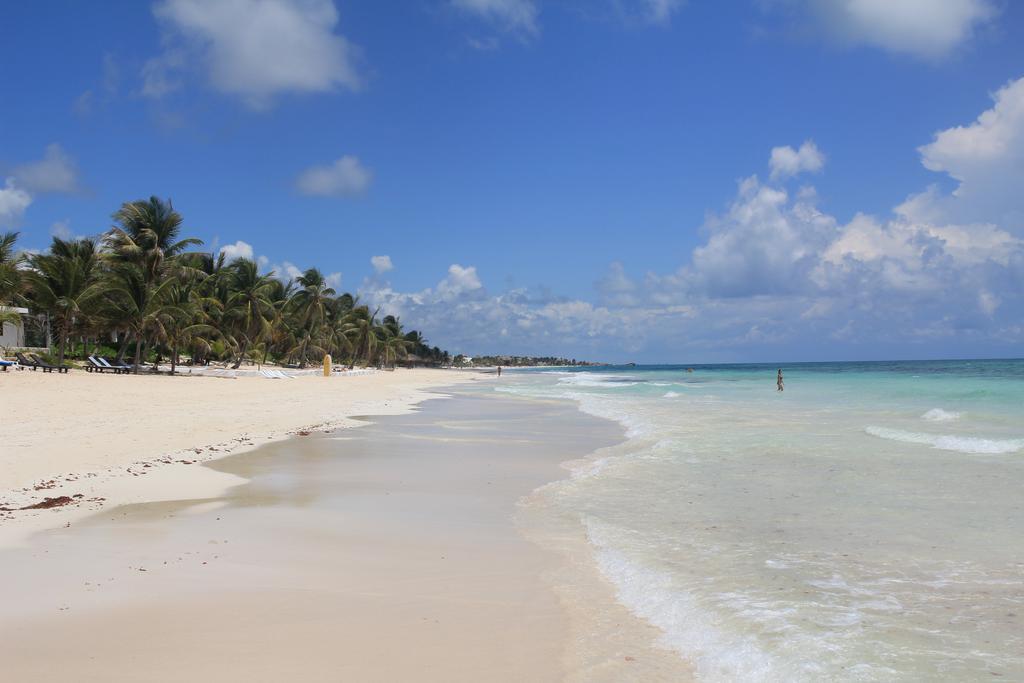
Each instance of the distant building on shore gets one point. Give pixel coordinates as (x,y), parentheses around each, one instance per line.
(12,334)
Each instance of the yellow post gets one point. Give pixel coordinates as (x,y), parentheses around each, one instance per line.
(327,365)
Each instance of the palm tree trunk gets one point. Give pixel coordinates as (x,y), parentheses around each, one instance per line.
(174,356)
(357,352)
(63,345)
(123,347)
(241,354)
(138,353)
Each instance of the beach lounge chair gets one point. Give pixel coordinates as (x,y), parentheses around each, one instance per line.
(115,364)
(5,363)
(47,366)
(28,363)
(97,365)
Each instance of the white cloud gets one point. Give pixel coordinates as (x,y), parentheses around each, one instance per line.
(287,271)
(239,249)
(764,244)
(333,280)
(381,264)
(62,229)
(161,75)
(986,157)
(661,11)
(928,29)
(518,16)
(786,161)
(988,302)
(459,281)
(346,177)
(616,288)
(108,88)
(55,172)
(254,49)
(13,202)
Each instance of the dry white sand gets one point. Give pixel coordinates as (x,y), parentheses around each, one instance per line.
(112,439)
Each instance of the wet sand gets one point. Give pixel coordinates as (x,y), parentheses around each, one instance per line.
(103,440)
(379,554)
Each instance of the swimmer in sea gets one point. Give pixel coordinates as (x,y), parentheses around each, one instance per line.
(778,381)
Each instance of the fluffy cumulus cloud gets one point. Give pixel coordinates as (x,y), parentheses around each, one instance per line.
(986,157)
(460,281)
(239,249)
(519,16)
(463,316)
(13,202)
(253,49)
(346,177)
(62,229)
(616,288)
(786,161)
(381,264)
(55,173)
(283,271)
(923,28)
(939,273)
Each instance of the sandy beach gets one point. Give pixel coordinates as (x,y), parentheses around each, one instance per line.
(110,439)
(385,553)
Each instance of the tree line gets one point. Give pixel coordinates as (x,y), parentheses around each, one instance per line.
(142,288)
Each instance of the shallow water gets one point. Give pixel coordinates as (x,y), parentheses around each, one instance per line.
(867,524)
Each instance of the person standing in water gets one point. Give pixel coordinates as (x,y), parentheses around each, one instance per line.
(778,381)
(499,371)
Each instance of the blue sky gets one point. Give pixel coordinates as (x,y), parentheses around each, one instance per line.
(593,179)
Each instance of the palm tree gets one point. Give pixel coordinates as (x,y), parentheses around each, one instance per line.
(282,336)
(393,346)
(249,306)
(10,268)
(188,318)
(148,309)
(362,326)
(310,305)
(147,235)
(10,277)
(145,253)
(62,281)
(141,285)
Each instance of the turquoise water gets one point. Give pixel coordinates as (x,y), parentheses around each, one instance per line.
(866,524)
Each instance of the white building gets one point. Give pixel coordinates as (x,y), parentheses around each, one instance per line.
(13,333)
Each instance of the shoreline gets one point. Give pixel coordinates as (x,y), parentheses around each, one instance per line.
(65,442)
(331,559)
(609,642)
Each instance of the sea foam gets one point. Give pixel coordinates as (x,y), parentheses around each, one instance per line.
(940,415)
(689,630)
(950,442)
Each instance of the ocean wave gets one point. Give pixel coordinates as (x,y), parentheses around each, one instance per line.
(940,415)
(949,442)
(671,394)
(587,379)
(686,627)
